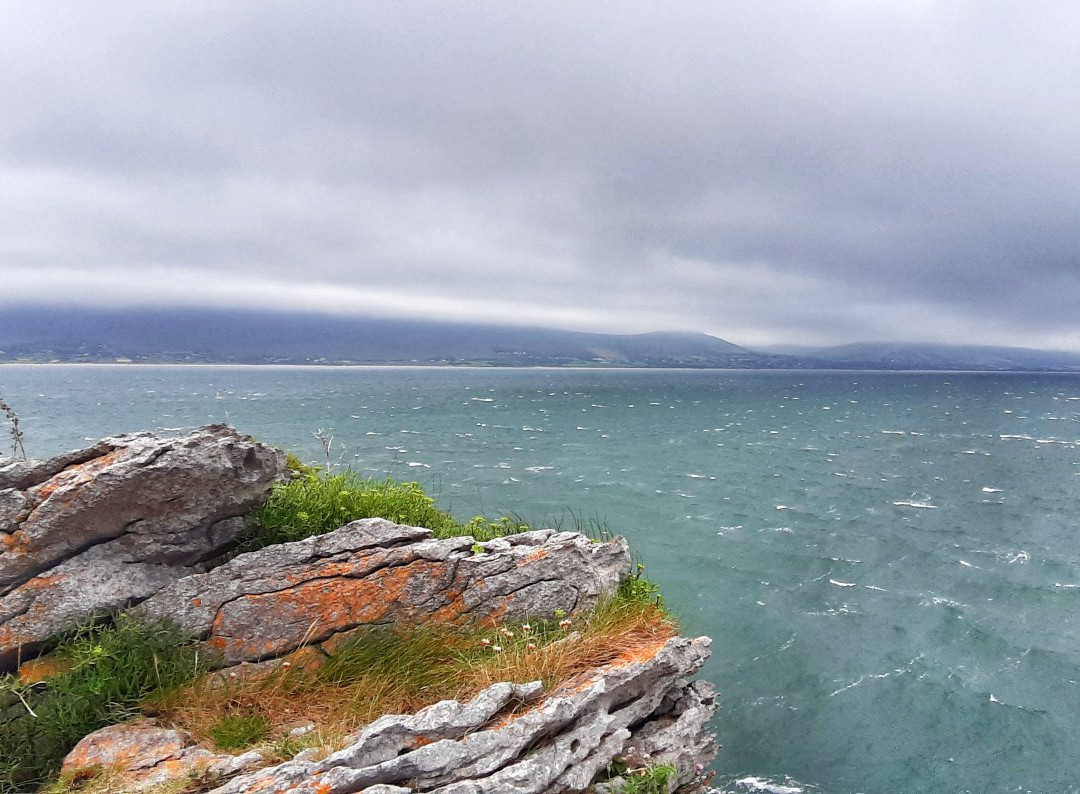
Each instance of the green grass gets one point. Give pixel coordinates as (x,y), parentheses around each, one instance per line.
(109,670)
(237,731)
(656,779)
(650,780)
(636,589)
(314,504)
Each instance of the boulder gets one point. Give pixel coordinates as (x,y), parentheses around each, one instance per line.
(98,529)
(146,755)
(266,603)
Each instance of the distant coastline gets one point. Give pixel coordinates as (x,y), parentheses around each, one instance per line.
(538,367)
(204,337)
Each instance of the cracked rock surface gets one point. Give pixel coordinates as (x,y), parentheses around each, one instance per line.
(97,529)
(269,602)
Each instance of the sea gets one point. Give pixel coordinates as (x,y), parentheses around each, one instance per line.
(888,563)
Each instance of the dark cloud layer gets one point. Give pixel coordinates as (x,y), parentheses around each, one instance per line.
(766,171)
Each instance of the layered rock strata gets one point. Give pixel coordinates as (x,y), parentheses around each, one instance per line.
(560,744)
(509,738)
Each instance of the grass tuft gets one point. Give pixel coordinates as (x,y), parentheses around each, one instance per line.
(235,731)
(106,671)
(655,779)
(314,504)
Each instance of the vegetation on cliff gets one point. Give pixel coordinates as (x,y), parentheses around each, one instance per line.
(100,675)
(401,670)
(313,503)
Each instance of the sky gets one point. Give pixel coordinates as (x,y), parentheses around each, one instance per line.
(810,172)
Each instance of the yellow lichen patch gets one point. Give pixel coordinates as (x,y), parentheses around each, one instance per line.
(12,634)
(42,668)
(75,475)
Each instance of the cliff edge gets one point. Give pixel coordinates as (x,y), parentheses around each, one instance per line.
(538,661)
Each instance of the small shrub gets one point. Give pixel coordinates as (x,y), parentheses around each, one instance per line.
(658,779)
(237,731)
(649,780)
(484,529)
(637,588)
(297,466)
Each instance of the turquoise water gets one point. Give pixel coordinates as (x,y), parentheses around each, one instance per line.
(888,563)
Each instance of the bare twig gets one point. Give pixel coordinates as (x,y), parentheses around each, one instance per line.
(326,438)
(17,448)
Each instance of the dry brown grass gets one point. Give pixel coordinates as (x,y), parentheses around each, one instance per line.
(384,672)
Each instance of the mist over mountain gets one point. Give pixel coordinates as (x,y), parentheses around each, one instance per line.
(251,337)
(213,336)
(909,356)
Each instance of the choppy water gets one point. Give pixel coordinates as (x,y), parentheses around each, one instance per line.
(889,564)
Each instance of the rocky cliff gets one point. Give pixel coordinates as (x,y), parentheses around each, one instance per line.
(144,525)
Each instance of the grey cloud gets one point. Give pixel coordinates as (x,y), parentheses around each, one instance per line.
(809,160)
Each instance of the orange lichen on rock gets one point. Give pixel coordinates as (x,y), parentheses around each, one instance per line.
(75,475)
(16,543)
(13,633)
(42,669)
(313,610)
(125,745)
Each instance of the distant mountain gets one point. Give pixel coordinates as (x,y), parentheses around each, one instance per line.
(216,336)
(940,357)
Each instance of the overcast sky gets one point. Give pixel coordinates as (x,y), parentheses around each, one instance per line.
(768,172)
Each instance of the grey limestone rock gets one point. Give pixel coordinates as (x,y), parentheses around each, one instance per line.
(557,745)
(98,529)
(370,572)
